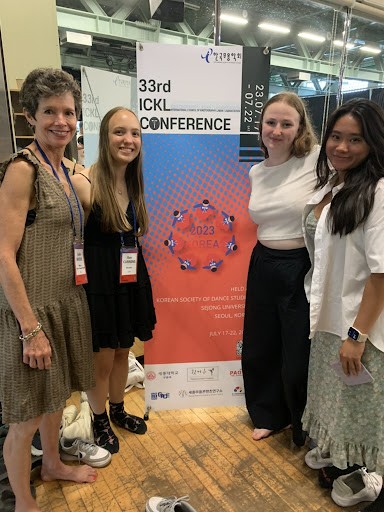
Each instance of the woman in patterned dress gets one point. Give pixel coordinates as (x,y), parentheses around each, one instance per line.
(45,335)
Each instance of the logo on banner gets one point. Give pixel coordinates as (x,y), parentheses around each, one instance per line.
(198,393)
(159,395)
(220,57)
(203,373)
(201,237)
(168,374)
(122,82)
(238,391)
(150,375)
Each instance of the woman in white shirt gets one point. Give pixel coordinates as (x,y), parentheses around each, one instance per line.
(344,229)
(276,325)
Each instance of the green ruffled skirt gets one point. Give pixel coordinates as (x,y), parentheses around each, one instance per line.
(345,421)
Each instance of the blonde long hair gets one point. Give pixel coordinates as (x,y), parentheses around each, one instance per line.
(103,184)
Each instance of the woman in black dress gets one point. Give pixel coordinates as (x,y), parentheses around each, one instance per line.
(118,290)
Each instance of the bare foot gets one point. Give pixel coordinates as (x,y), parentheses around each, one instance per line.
(261,433)
(79,474)
(24,507)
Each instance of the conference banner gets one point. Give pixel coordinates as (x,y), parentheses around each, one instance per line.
(199,109)
(101,91)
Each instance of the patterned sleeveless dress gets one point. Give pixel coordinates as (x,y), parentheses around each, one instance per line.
(45,260)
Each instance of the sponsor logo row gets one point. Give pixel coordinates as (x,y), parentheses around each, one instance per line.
(195,393)
(203,373)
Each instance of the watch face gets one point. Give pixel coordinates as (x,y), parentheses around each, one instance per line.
(353,333)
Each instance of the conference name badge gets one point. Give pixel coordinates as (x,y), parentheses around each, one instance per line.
(80,270)
(128,264)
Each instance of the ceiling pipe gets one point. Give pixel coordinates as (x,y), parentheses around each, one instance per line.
(367,9)
(372,3)
(340,3)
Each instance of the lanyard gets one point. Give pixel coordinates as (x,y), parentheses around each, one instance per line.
(134,226)
(71,188)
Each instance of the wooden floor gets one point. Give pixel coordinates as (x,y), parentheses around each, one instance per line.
(207,454)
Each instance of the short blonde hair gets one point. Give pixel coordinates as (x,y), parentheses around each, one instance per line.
(306,138)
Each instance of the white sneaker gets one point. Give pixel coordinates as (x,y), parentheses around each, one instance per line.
(356,487)
(83,451)
(315,459)
(157,504)
(69,415)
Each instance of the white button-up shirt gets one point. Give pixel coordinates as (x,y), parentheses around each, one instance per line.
(341,267)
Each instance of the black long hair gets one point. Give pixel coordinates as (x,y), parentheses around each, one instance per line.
(352,205)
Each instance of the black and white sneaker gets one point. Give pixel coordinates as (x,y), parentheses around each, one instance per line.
(36,449)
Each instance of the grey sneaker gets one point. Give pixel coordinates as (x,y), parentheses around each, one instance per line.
(317,460)
(84,451)
(173,504)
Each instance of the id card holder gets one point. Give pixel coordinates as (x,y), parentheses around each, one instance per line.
(128,264)
(80,270)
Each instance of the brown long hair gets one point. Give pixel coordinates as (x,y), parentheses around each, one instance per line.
(306,138)
(103,184)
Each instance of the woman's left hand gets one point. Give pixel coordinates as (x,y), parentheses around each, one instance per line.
(350,356)
(37,352)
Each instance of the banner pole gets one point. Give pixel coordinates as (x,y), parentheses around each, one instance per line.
(217,31)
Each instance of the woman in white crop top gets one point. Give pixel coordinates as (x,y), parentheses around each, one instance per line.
(276,325)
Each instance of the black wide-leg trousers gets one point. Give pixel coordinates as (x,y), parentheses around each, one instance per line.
(276,347)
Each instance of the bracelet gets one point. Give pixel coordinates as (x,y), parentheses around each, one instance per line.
(31,334)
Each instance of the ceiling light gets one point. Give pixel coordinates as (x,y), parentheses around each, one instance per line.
(311,37)
(348,46)
(274,28)
(237,20)
(370,49)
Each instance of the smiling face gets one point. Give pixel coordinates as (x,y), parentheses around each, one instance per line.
(124,136)
(346,147)
(280,127)
(55,121)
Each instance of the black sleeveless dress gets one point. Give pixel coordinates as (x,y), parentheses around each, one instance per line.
(119,312)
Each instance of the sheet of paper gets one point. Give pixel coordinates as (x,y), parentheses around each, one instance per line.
(352,380)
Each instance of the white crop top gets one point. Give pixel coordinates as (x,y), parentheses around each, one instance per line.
(279,194)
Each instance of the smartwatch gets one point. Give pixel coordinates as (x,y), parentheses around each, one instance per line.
(356,335)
